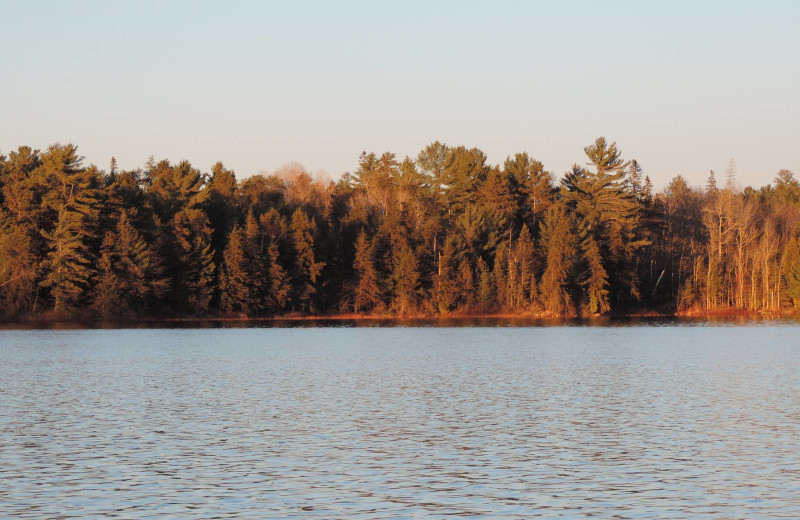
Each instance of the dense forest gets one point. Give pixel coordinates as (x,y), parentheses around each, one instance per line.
(445,233)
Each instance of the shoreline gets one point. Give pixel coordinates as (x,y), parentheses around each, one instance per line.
(88,322)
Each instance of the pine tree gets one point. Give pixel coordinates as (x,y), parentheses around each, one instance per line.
(107,287)
(234,284)
(258,265)
(464,172)
(18,268)
(220,206)
(279,282)
(192,262)
(609,213)
(595,279)
(525,259)
(445,289)
(67,265)
(711,185)
(367,291)
(557,242)
(534,185)
(405,279)
(433,160)
(306,268)
(633,181)
(465,282)
(787,189)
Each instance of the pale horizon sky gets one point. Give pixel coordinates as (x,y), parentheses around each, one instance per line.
(683,87)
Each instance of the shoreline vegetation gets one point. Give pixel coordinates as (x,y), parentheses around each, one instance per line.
(423,320)
(350,316)
(444,235)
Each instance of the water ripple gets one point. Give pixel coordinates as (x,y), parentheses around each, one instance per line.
(561,422)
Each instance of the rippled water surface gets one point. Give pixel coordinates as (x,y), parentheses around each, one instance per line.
(610,422)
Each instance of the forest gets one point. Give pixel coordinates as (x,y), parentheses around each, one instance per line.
(442,234)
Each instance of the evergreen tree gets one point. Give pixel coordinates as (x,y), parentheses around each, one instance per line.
(595,278)
(234,286)
(67,265)
(484,285)
(711,185)
(279,281)
(192,262)
(533,184)
(464,172)
(609,214)
(18,268)
(220,206)
(258,265)
(107,287)
(405,279)
(787,189)
(367,291)
(633,180)
(140,272)
(433,161)
(306,268)
(445,292)
(465,283)
(525,262)
(557,240)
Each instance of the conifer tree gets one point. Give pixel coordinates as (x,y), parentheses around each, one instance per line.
(67,265)
(220,206)
(18,268)
(711,184)
(534,185)
(405,279)
(609,213)
(633,179)
(557,241)
(234,285)
(192,263)
(595,278)
(432,161)
(484,285)
(464,172)
(279,281)
(271,273)
(465,282)
(306,268)
(107,286)
(445,289)
(525,261)
(787,189)
(367,292)
(258,265)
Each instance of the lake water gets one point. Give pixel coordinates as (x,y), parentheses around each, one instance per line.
(496,422)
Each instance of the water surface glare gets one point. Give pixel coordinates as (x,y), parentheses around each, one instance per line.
(551,422)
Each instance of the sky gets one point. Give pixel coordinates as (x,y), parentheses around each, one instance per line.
(683,87)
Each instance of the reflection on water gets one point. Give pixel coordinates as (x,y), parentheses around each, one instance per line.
(625,422)
(377,321)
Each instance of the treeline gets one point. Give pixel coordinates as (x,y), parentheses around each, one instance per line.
(440,234)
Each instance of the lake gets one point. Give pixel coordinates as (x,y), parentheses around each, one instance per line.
(661,419)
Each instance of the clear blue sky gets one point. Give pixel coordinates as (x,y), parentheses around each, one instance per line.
(681,86)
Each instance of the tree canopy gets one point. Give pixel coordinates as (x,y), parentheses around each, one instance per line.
(442,233)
